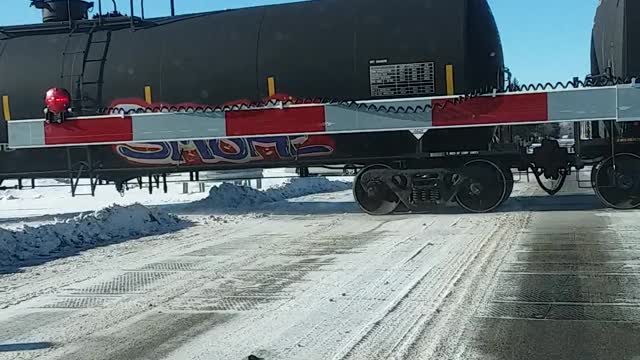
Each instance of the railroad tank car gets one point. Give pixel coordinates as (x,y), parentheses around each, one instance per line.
(338,49)
(614,47)
(615,52)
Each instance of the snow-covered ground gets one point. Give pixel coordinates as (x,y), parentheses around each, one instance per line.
(25,240)
(53,197)
(31,244)
(296,272)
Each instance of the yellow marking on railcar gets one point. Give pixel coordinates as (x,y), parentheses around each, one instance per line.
(450,80)
(5,108)
(272,85)
(147,95)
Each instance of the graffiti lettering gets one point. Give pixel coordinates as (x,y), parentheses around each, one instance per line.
(232,151)
(220,151)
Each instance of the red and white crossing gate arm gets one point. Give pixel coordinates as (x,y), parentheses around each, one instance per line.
(620,103)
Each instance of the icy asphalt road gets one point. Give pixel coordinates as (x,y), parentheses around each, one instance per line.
(542,279)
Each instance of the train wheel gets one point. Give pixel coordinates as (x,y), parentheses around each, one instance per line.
(616,181)
(372,194)
(485,188)
(510,182)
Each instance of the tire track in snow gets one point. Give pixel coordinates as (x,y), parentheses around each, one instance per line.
(384,271)
(446,330)
(393,329)
(375,289)
(265,325)
(242,251)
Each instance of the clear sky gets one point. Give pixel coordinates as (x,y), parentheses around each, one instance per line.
(543,40)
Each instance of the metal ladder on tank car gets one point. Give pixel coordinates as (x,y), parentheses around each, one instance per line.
(83,165)
(94,56)
(85,102)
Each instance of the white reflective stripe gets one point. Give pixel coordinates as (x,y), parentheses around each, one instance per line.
(25,133)
(629,104)
(581,105)
(350,118)
(178,126)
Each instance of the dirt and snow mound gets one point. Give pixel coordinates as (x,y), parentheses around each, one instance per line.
(229,196)
(106,226)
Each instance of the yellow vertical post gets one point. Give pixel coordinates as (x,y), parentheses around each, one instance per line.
(147,95)
(5,108)
(271,81)
(451,90)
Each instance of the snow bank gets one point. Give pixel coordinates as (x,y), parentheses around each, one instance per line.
(109,225)
(228,196)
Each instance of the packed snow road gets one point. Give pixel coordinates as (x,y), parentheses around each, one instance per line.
(313,278)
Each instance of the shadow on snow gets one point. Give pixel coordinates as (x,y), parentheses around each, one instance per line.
(569,202)
(4,348)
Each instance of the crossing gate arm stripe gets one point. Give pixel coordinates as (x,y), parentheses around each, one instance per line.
(99,130)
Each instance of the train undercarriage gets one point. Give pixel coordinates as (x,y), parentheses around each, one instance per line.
(481,185)
(482,182)
(477,181)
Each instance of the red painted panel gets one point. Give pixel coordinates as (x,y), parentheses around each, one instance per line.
(493,110)
(276,121)
(89,131)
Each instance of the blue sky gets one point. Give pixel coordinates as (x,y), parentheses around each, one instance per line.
(543,40)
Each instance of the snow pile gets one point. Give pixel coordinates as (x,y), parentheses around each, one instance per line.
(229,196)
(106,226)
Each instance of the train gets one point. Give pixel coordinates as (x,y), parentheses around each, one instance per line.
(352,50)
(614,46)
